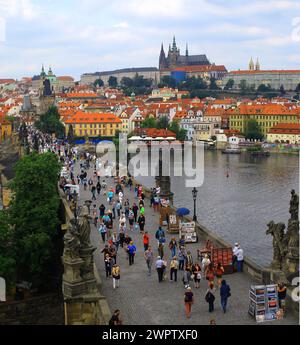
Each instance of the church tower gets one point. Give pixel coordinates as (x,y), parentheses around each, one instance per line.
(251,65)
(162,58)
(257,65)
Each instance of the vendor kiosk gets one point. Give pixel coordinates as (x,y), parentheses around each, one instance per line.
(188,231)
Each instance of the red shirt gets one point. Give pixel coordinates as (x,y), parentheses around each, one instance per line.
(146,239)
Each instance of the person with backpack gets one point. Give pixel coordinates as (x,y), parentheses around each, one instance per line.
(210,297)
(160,235)
(224,293)
(115,319)
(188,301)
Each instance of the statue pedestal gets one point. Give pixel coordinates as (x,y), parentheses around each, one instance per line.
(72,270)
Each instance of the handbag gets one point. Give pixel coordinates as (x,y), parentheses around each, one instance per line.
(192,276)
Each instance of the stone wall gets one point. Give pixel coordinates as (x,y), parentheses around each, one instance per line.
(42,310)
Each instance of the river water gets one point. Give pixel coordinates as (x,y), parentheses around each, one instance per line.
(239,206)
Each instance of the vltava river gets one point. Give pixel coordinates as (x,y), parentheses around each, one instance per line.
(238,207)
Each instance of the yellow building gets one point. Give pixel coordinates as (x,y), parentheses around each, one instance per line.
(285,133)
(94,125)
(266,115)
(5,129)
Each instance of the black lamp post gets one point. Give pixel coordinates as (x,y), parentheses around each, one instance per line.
(194,192)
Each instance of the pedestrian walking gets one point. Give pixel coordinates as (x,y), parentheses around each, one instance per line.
(115,319)
(174,268)
(116,275)
(160,250)
(240,259)
(141,222)
(224,293)
(102,210)
(234,257)
(181,258)
(210,274)
(131,252)
(281,295)
(196,269)
(146,240)
(148,255)
(159,265)
(186,277)
(118,208)
(93,190)
(135,211)
(219,274)
(107,263)
(131,219)
(113,252)
(210,297)
(205,263)
(188,301)
(173,246)
(102,231)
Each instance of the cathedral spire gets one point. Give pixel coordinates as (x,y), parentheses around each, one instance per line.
(257,65)
(186,50)
(251,64)
(174,44)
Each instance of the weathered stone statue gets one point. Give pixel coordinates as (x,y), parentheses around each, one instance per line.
(279,243)
(294,206)
(85,228)
(71,241)
(286,245)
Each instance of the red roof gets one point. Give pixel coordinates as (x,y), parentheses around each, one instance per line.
(285,128)
(81,117)
(155,133)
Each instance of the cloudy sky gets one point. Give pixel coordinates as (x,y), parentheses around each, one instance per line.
(78,36)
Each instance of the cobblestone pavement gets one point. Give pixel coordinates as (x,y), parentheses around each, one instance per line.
(144,301)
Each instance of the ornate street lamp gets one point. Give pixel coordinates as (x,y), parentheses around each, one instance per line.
(194,192)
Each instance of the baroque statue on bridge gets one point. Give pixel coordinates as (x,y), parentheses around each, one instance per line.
(286,244)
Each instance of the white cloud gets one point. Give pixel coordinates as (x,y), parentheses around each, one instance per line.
(122,25)
(228,28)
(23,8)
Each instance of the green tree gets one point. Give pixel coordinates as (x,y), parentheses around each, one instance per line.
(50,123)
(70,136)
(126,82)
(8,258)
(264,88)
(213,84)
(168,81)
(149,122)
(229,84)
(179,132)
(112,82)
(243,85)
(98,82)
(162,122)
(34,217)
(252,130)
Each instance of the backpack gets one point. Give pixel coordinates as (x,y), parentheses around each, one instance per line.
(209,297)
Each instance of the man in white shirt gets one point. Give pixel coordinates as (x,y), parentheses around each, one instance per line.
(240,259)
(160,268)
(234,258)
